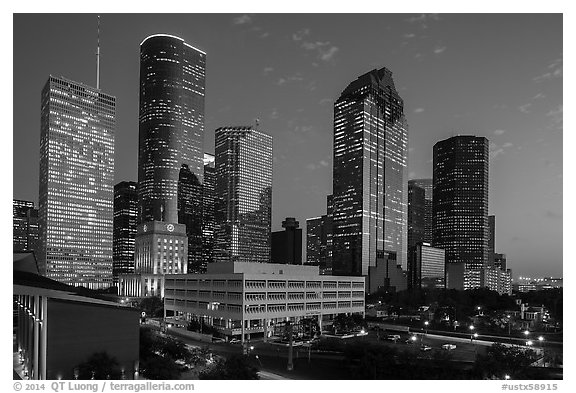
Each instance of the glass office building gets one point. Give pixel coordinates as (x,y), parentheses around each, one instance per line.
(125,217)
(370,175)
(426,184)
(24,226)
(76,183)
(171,138)
(243,193)
(460,204)
(172,82)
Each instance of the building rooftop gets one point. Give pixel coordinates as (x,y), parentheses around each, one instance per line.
(261,268)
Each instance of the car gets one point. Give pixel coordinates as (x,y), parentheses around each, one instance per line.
(234,341)
(218,340)
(393,337)
(448,347)
(425,348)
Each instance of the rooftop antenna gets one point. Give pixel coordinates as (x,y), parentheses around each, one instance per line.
(98,57)
(257,123)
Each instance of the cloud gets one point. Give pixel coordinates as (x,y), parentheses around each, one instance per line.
(325,50)
(300,34)
(497,150)
(275,114)
(439,49)
(418,110)
(267,70)
(324,163)
(524,108)
(288,79)
(423,19)
(264,35)
(242,20)
(409,35)
(557,116)
(499,132)
(554,71)
(325,101)
(539,96)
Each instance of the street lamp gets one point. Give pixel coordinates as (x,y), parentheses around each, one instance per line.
(471,334)
(526,333)
(426,326)
(529,343)
(506,376)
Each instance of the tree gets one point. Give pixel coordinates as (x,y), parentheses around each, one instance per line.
(503,360)
(235,367)
(152,306)
(99,366)
(159,367)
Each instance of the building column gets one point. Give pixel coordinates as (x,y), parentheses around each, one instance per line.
(243,329)
(43,338)
(36,339)
(265,321)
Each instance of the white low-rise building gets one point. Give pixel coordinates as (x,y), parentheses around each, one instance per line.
(244,300)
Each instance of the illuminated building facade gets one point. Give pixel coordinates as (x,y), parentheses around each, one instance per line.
(370,175)
(461,203)
(416,215)
(24,226)
(171,139)
(125,216)
(427,268)
(425,184)
(243,195)
(208,223)
(76,183)
(172,81)
(313,240)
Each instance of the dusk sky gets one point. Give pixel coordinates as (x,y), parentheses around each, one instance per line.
(493,75)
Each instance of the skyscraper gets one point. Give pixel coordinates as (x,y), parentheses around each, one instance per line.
(208,222)
(243,194)
(491,239)
(287,244)
(76,183)
(24,226)
(426,184)
(313,240)
(172,80)
(170,159)
(125,217)
(370,168)
(461,204)
(416,215)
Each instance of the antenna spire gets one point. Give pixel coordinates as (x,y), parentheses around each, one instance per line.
(98,57)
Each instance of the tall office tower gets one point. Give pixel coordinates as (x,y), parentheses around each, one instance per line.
(190,214)
(125,217)
(25,226)
(327,229)
(491,239)
(243,195)
(461,206)
(416,215)
(287,244)
(427,267)
(76,183)
(313,240)
(370,182)
(170,159)
(426,184)
(208,211)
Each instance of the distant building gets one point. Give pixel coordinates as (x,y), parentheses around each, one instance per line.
(496,279)
(491,239)
(387,275)
(428,267)
(427,185)
(460,204)
(527,284)
(208,220)
(500,261)
(161,248)
(416,215)
(24,226)
(370,175)
(75,213)
(313,240)
(243,195)
(125,217)
(287,244)
(171,153)
(58,328)
(247,300)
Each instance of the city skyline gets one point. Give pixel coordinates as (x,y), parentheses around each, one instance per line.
(294,101)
